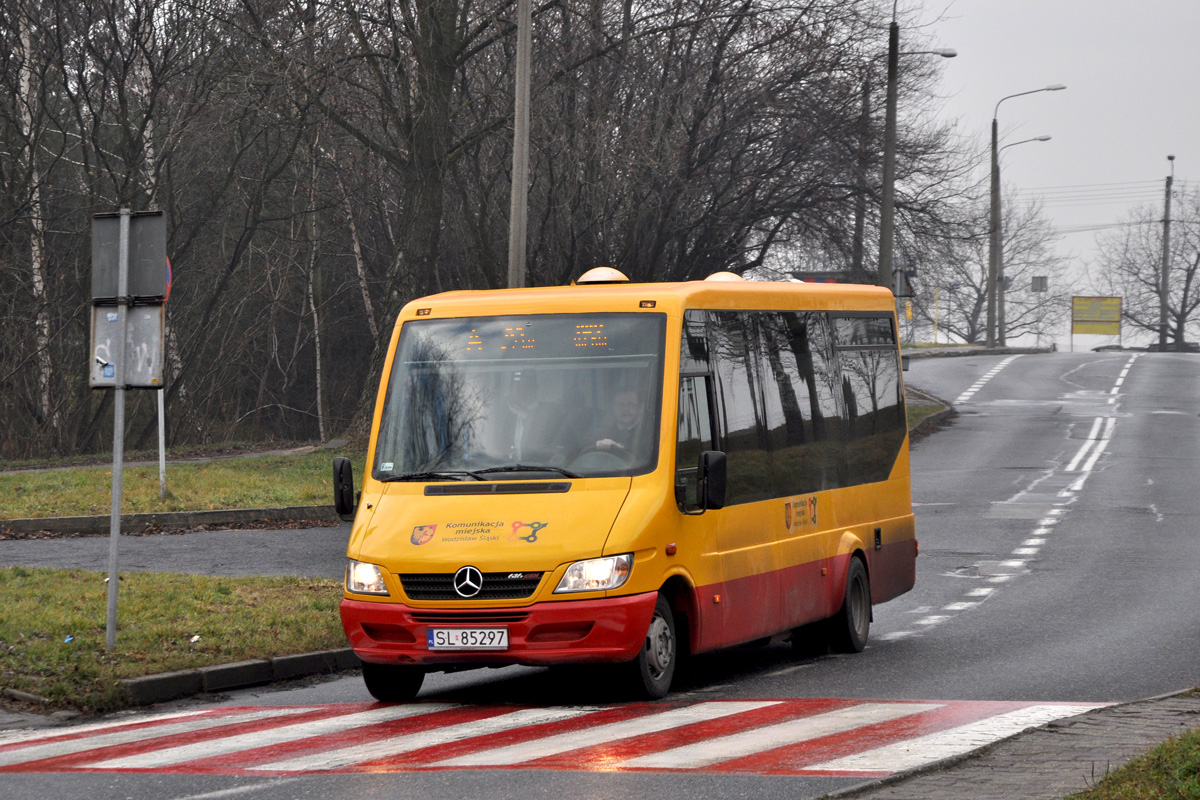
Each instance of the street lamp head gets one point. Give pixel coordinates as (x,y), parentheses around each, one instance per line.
(946,52)
(1170,158)
(1042,138)
(1055,87)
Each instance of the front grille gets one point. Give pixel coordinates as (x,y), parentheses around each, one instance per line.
(496,586)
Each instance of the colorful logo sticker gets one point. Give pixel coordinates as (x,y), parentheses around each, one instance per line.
(812,509)
(787,515)
(422,534)
(534,527)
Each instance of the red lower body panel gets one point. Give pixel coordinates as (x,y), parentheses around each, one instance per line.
(893,569)
(769,603)
(772,602)
(570,632)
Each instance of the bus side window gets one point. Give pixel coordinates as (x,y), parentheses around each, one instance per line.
(875,417)
(799,403)
(694,436)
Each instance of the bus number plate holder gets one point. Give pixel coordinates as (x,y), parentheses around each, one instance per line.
(466,638)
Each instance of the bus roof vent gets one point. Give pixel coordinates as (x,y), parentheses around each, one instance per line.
(597,275)
(724,276)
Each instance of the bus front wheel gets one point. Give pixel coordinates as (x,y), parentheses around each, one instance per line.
(392,683)
(850,628)
(654,668)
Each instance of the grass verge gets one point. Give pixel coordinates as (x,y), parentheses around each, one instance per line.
(52,628)
(1169,771)
(917,412)
(252,482)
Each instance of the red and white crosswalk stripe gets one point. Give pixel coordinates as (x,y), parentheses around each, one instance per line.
(769,737)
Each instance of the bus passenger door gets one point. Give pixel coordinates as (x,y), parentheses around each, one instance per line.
(696,435)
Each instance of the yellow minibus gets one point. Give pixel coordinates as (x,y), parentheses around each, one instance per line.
(623,473)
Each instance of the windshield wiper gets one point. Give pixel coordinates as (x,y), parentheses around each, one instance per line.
(528,468)
(433,476)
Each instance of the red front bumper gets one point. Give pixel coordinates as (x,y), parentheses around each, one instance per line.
(568,632)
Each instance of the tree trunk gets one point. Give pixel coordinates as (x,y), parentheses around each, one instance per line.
(312,279)
(37,234)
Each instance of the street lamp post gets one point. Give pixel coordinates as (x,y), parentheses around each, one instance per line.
(994,237)
(887,211)
(886,275)
(1000,287)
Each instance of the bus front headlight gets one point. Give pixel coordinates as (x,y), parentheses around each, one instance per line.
(364,578)
(596,574)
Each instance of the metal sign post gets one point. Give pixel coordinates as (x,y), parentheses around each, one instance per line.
(128,267)
(118,355)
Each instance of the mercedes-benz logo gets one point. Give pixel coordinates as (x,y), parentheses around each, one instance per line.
(468,581)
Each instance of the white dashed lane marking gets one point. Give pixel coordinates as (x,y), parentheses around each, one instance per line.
(979,384)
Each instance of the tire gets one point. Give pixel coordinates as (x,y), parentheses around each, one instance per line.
(392,683)
(850,627)
(654,668)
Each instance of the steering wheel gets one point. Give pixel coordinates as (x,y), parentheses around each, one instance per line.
(595,458)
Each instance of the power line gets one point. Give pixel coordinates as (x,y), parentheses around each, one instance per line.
(1102,226)
(1138,188)
(1110,225)
(1093,185)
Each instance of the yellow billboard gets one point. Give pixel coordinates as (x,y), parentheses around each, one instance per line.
(1100,315)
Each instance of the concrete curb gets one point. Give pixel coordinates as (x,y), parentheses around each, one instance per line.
(969,350)
(165,686)
(139,523)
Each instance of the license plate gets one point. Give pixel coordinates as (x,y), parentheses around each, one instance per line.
(467,638)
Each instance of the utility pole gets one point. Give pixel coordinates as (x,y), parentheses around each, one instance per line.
(519,200)
(888,206)
(1166,261)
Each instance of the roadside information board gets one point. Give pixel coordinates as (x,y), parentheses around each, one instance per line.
(143,346)
(1099,315)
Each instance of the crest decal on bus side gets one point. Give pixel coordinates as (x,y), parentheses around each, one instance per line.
(422,534)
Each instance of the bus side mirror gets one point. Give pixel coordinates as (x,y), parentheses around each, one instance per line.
(343,488)
(711,472)
(904,363)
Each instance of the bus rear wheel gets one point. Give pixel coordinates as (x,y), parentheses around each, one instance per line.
(392,683)
(654,668)
(851,626)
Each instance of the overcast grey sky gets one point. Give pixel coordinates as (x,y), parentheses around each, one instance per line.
(1132,71)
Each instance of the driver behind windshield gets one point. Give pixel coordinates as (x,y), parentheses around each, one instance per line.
(625,430)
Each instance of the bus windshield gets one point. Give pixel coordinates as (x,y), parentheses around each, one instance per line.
(479,397)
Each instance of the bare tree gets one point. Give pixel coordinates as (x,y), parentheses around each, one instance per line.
(952,274)
(1130,267)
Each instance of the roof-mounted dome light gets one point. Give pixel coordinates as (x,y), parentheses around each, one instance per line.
(724,276)
(597,275)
